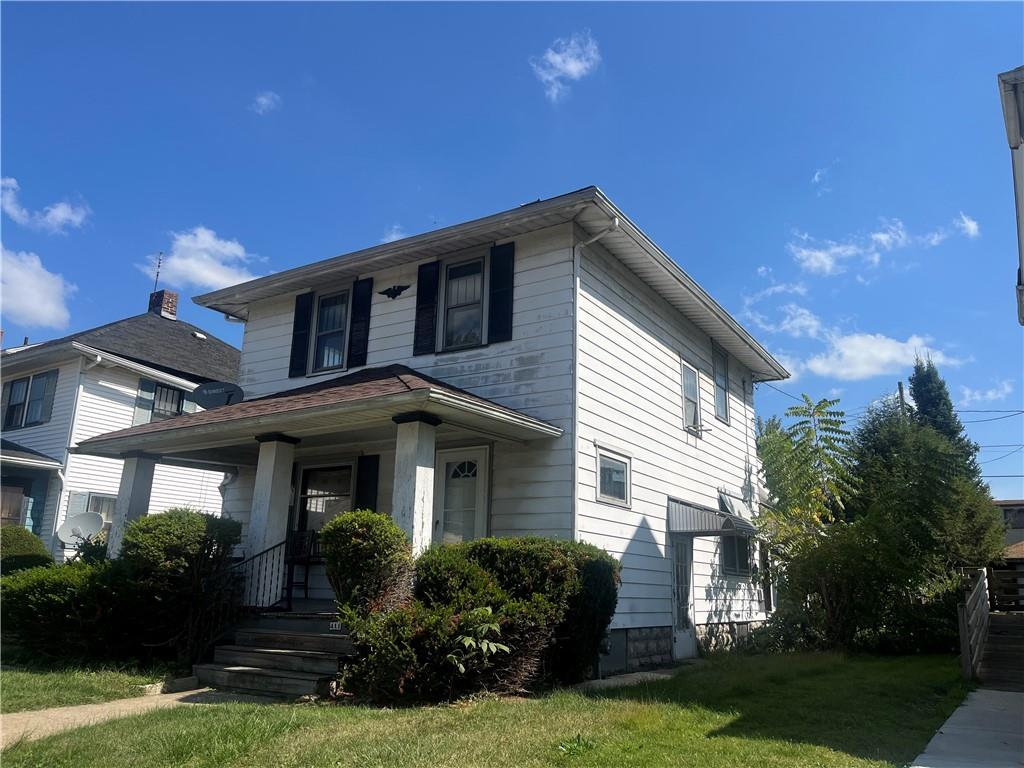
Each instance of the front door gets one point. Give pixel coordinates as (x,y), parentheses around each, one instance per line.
(684,638)
(460,495)
(325,493)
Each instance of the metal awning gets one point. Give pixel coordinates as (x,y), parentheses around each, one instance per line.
(698,520)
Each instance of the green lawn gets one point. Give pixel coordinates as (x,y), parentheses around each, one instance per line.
(35,686)
(818,710)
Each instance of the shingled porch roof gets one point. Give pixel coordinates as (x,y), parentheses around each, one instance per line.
(371,394)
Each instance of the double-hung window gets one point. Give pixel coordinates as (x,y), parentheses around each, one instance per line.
(720,368)
(735,555)
(168,402)
(331,323)
(464,305)
(102,505)
(613,478)
(29,401)
(691,399)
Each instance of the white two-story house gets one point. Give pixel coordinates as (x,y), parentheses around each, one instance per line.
(543,371)
(58,393)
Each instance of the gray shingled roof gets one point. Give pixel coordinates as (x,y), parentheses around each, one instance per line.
(168,345)
(14,451)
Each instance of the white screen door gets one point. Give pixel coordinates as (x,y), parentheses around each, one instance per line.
(460,495)
(684,638)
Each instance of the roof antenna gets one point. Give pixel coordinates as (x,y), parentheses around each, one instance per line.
(159,263)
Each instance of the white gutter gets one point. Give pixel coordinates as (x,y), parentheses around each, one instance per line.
(1011,92)
(51,464)
(99,357)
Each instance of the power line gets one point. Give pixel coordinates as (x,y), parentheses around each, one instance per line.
(995,418)
(1004,456)
(991,476)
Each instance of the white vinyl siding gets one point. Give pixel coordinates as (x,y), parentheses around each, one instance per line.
(631,350)
(531,489)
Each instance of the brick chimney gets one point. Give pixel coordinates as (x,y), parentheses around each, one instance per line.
(164,303)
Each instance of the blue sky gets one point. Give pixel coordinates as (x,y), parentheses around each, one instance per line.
(835,175)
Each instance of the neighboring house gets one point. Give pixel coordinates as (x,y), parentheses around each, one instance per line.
(1011,93)
(58,393)
(547,370)
(1013,518)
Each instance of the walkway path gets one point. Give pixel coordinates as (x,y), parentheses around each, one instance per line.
(986,731)
(46,722)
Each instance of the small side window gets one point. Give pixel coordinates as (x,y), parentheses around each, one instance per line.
(613,478)
(167,402)
(734,554)
(691,399)
(29,401)
(102,505)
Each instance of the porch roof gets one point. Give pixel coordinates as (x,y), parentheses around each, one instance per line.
(13,454)
(699,520)
(366,397)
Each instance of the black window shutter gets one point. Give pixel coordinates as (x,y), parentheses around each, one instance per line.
(425,334)
(359,329)
(367,472)
(301,328)
(499,315)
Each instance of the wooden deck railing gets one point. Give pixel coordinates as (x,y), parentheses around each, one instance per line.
(1006,586)
(973,617)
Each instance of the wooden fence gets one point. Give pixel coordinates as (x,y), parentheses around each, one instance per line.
(973,615)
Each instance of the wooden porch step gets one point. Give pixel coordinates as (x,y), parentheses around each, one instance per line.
(274,682)
(263,637)
(316,662)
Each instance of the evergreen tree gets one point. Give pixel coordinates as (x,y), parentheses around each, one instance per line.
(933,408)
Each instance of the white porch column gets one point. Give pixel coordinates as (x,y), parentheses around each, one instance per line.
(272,492)
(412,500)
(132,498)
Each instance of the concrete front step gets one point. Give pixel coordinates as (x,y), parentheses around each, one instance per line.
(262,637)
(275,682)
(297,622)
(316,662)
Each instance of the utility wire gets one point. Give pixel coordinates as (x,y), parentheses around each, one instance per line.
(1004,456)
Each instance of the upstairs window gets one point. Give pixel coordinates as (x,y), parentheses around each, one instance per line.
(29,401)
(167,402)
(691,399)
(612,478)
(720,367)
(464,305)
(331,322)
(734,554)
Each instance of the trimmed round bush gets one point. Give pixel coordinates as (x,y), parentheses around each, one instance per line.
(368,561)
(21,549)
(177,541)
(446,576)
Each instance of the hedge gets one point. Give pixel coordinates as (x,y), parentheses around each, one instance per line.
(21,549)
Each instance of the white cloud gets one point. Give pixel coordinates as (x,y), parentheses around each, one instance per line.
(53,218)
(826,258)
(967,225)
(264,102)
(395,232)
(1000,391)
(799,321)
(858,356)
(820,179)
(892,235)
(199,259)
(31,295)
(791,363)
(566,61)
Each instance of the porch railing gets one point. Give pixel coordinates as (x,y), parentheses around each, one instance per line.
(263,577)
(973,620)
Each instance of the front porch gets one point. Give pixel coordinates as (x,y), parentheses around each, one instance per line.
(388,439)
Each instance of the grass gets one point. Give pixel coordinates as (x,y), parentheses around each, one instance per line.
(33,685)
(819,710)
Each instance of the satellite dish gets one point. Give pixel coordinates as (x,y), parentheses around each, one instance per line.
(80,527)
(217,393)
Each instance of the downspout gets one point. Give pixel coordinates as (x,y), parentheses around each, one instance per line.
(612,226)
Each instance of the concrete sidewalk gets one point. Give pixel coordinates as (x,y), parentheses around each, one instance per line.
(986,731)
(38,723)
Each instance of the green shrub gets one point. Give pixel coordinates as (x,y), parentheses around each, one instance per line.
(166,597)
(93,549)
(446,576)
(21,549)
(66,611)
(368,561)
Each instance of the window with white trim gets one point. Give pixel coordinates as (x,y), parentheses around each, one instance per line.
(331,326)
(734,555)
(463,322)
(691,399)
(103,505)
(720,369)
(613,477)
(29,401)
